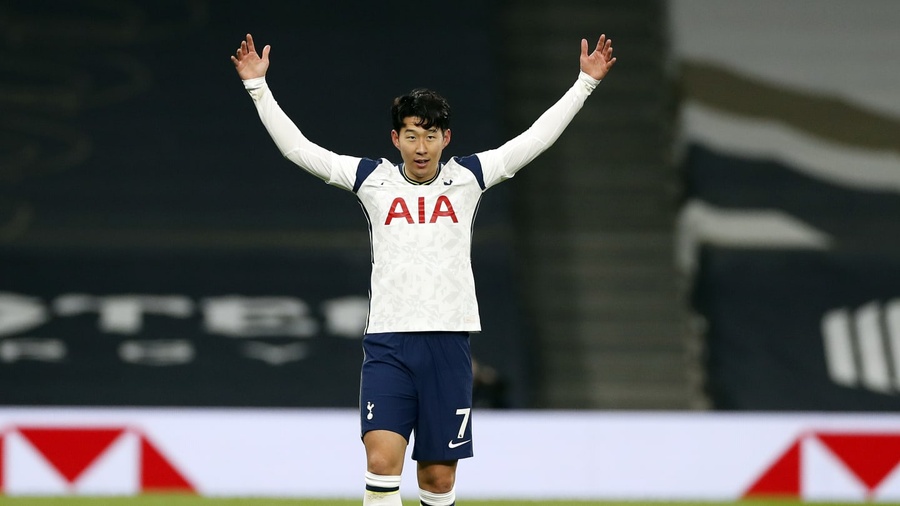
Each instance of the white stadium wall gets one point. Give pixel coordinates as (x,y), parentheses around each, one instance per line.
(589,455)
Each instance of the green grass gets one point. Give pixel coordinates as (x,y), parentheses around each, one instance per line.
(176,500)
(169,500)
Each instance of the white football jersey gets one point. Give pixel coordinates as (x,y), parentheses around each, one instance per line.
(421,234)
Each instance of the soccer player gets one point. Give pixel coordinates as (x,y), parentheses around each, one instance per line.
(417,369)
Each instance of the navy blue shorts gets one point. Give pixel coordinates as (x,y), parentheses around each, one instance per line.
(419,382)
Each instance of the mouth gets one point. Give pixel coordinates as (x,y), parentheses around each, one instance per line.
(421,162)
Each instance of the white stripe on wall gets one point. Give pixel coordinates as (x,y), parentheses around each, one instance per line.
(871,348)
(839,348)
(863,169)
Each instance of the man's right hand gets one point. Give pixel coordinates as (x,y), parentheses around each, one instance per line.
(248,63)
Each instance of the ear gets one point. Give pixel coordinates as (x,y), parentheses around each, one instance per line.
(395,138)
(446,137)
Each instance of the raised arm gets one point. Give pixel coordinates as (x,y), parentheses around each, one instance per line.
(502,163)
(334,169)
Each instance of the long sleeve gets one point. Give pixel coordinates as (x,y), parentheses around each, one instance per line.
(337,170)
(502,163)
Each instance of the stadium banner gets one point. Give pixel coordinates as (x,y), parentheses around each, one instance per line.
(800,330)
(582,455)
(244,328)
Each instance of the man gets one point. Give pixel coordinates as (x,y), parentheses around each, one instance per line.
(417,370)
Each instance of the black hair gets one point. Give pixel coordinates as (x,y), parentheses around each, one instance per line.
(431,109)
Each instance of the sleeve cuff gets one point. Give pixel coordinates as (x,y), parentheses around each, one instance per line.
(255,83)
(589,82)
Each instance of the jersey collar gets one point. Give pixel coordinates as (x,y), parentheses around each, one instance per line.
(417,183)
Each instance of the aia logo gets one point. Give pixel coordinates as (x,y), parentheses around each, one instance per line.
(400,210)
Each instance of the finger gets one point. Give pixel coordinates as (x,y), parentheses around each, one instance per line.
(584,47)
(243,48)
(266,49)
(250,45)
(601,42)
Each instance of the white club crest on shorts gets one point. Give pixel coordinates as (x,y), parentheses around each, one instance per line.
(370,406)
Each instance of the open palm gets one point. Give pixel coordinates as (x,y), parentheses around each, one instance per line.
(598,63)
(247,61)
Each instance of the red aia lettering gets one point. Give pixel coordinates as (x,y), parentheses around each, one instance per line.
(442,208)
(402,213)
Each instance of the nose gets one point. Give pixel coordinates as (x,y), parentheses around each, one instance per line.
(421,148)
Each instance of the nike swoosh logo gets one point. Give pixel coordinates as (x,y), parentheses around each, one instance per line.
(452,445)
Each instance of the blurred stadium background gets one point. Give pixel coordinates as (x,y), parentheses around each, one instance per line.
(717,231)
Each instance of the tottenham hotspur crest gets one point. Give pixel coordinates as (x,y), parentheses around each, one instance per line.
(370,406)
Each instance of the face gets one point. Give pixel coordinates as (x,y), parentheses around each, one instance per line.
(420,149)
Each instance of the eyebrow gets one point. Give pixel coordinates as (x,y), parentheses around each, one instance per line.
(407,128)
(409,123)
